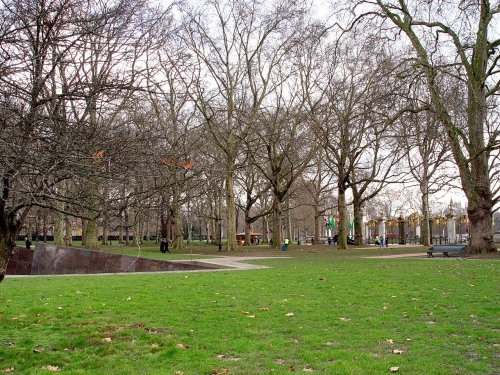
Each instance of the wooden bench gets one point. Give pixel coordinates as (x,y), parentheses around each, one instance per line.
(445,249)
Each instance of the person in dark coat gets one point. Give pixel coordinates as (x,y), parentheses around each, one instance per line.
(28,243)
(164,246)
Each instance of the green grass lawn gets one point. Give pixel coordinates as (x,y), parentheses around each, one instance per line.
(320,312)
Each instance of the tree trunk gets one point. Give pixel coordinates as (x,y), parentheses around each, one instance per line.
(91,234)
(208,227)
(58,229)
(147,226)
(276,222)
(136,229)
(163,218)
(104,239)
(190,231)
(217,228)
(68,235)
(120,231)
(189,224)
(317,223)
(175,215)
(230,208)
(44,228)
(481,227)
(248,230)
(342,240)
(30,230)
(105,217)
(127,227)
(7,243)
(265,228)
(358,221)
(425,235)
(288,221)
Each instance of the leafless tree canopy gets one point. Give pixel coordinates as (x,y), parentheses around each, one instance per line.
(123,113)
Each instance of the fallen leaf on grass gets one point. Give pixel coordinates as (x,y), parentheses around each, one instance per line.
(59,308)
(245,312)
(51,368)
(291,369)
(227,358)
(108,339)
(251,316)
(178,373)
(394,369)
(182,346)
(307,369)
(345,319)
(218,372)
(390,341)
(8,369)
(37,350)
(290,314)
(264,309)
(397,351)
(154,346)
(129,299)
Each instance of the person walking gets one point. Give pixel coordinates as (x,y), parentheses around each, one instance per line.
(28,243)
(164,246)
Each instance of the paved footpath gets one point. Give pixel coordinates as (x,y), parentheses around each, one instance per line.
(233,263)
(391,256)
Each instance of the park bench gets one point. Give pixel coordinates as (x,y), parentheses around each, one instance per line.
(445,249)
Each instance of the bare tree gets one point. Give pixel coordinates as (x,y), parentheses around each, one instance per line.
(318,183)
(456,40)
(253,186)
(427,153)
(47,103)
(348,101)
(287,148)
(237,45)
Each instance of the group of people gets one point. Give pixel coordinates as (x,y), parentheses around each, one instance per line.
(379,241)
